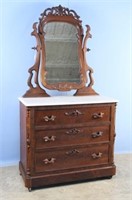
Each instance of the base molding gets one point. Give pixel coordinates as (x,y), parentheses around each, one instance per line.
(32,182)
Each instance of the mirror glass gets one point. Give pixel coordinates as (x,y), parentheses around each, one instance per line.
(61,53)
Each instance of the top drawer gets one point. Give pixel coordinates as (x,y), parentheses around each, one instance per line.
(71,114)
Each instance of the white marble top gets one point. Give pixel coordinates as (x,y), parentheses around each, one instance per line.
(65,100)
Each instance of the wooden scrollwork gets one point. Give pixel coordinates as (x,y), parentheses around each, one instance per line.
(59,11)
(37,73)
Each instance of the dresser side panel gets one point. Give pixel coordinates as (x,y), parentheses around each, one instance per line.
(112,134)
(23,136)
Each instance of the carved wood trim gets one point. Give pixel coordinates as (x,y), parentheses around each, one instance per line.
(85,49)
(35,91)
(87,90)
(28,122)
(59,11)
(62,14)
(28,173)
(36,72)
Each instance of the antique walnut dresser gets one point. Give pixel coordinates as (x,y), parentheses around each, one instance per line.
(64,139)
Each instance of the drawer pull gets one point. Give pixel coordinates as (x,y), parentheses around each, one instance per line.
(98,115)
(49,138)
(96,155)
(97,134)
(71,152)
(49,161)
(49,118)
(73,131)
(73,113)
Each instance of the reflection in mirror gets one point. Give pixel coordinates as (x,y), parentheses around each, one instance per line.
(62,56)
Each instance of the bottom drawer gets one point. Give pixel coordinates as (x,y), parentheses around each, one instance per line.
(71,157)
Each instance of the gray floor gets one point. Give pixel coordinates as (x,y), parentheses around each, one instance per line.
(117,188)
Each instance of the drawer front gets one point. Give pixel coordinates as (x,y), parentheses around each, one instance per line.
(71,157)
(73,136)
(71,115)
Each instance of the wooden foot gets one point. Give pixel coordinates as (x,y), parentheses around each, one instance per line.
(29,189)
(109,177)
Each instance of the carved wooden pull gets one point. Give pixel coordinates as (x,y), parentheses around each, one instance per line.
(71,152)
(73,113)
(97,134)
(49,138)
(49,161)
(98,115)
(73,131)
(96,155)
(49,118)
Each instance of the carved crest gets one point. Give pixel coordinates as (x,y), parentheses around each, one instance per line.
(59,11)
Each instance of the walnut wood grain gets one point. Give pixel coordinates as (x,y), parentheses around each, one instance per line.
(71,157)
(68,148)
(71,115)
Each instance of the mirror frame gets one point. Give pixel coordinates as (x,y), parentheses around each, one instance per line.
(37,78)
(62,85)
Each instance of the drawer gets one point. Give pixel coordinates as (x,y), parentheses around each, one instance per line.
(71,115)
(71,157)
(71,136)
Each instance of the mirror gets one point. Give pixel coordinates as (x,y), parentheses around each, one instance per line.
(60,62)
(62,53)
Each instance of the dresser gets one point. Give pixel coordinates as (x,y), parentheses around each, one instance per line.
(66,139)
